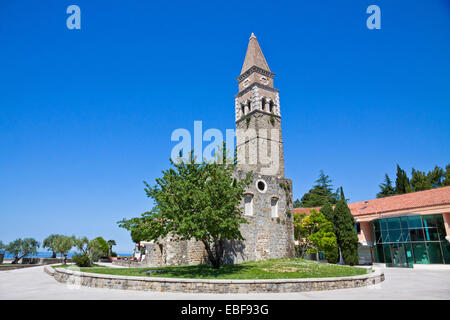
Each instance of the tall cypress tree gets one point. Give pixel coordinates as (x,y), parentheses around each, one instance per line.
(402,184)
(345,232)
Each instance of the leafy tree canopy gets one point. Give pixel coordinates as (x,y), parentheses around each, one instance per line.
(49,243)
(22,247)
(198,201)
(63,244)
(315,234)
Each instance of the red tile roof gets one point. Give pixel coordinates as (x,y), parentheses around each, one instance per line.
(413,200)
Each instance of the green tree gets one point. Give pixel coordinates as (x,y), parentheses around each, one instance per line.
(386,189)
(435,177)
(63,244)
(111,243)
(320,193)
(402,184)
(48,243)
(347,238)
(446,181)
(2,246)
(297,204)
(98,248)
(420,181)
(22,247)
(198,201)
(327,211)
(315,234)
(82,244)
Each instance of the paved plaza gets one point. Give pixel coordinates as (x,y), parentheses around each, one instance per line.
(422,282)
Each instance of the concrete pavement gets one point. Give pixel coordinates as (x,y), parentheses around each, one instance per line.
(431,282)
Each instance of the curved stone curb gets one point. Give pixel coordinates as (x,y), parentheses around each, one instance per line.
(211,286)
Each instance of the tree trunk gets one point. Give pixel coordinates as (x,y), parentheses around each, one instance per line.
(53,254)
(215,257)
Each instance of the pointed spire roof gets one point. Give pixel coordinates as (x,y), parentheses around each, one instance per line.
(254,56)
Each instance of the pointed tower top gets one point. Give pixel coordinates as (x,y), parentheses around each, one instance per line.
(254,56)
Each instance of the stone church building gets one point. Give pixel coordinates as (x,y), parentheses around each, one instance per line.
(267,204)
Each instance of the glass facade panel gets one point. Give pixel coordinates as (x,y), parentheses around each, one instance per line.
(446,251)
(431,234)
(406,237)
(409,254)
(404,222)
(416,235)
(429,221)
(379,254)
(385,236)
(395,235)
(405,240)
(434,252)
(393,223)
(414,222)
(387,253)
(420,253)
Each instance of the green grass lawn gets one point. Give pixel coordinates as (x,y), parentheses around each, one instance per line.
(264,269)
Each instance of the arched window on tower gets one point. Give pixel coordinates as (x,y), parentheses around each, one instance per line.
(243,109)
(248,205)
(249,104)
(274,207)
(263,104)
(271,106)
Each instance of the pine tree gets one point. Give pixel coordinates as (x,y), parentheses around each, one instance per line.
(320,193)
(345,232)
(297,204)
(420,181)
(386,188)
(446,181)
(435,177)
(402,184)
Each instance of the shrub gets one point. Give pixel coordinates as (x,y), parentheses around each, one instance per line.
(82,260)
(113,254)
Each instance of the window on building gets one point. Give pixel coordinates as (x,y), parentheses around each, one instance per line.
(274,207)
(358,228)
(263,104)
(243,109)
(249,104)
(248,205)
(271,106)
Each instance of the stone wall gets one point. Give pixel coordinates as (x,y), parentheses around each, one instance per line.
(211,286)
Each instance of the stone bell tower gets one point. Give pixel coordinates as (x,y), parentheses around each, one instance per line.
(258,119)
(267,204)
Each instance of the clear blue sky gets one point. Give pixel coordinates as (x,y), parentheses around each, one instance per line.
(86,115)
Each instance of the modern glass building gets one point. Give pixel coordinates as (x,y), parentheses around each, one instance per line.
(403,241)
(404,230)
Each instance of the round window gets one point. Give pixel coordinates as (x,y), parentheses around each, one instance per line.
(261,185)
